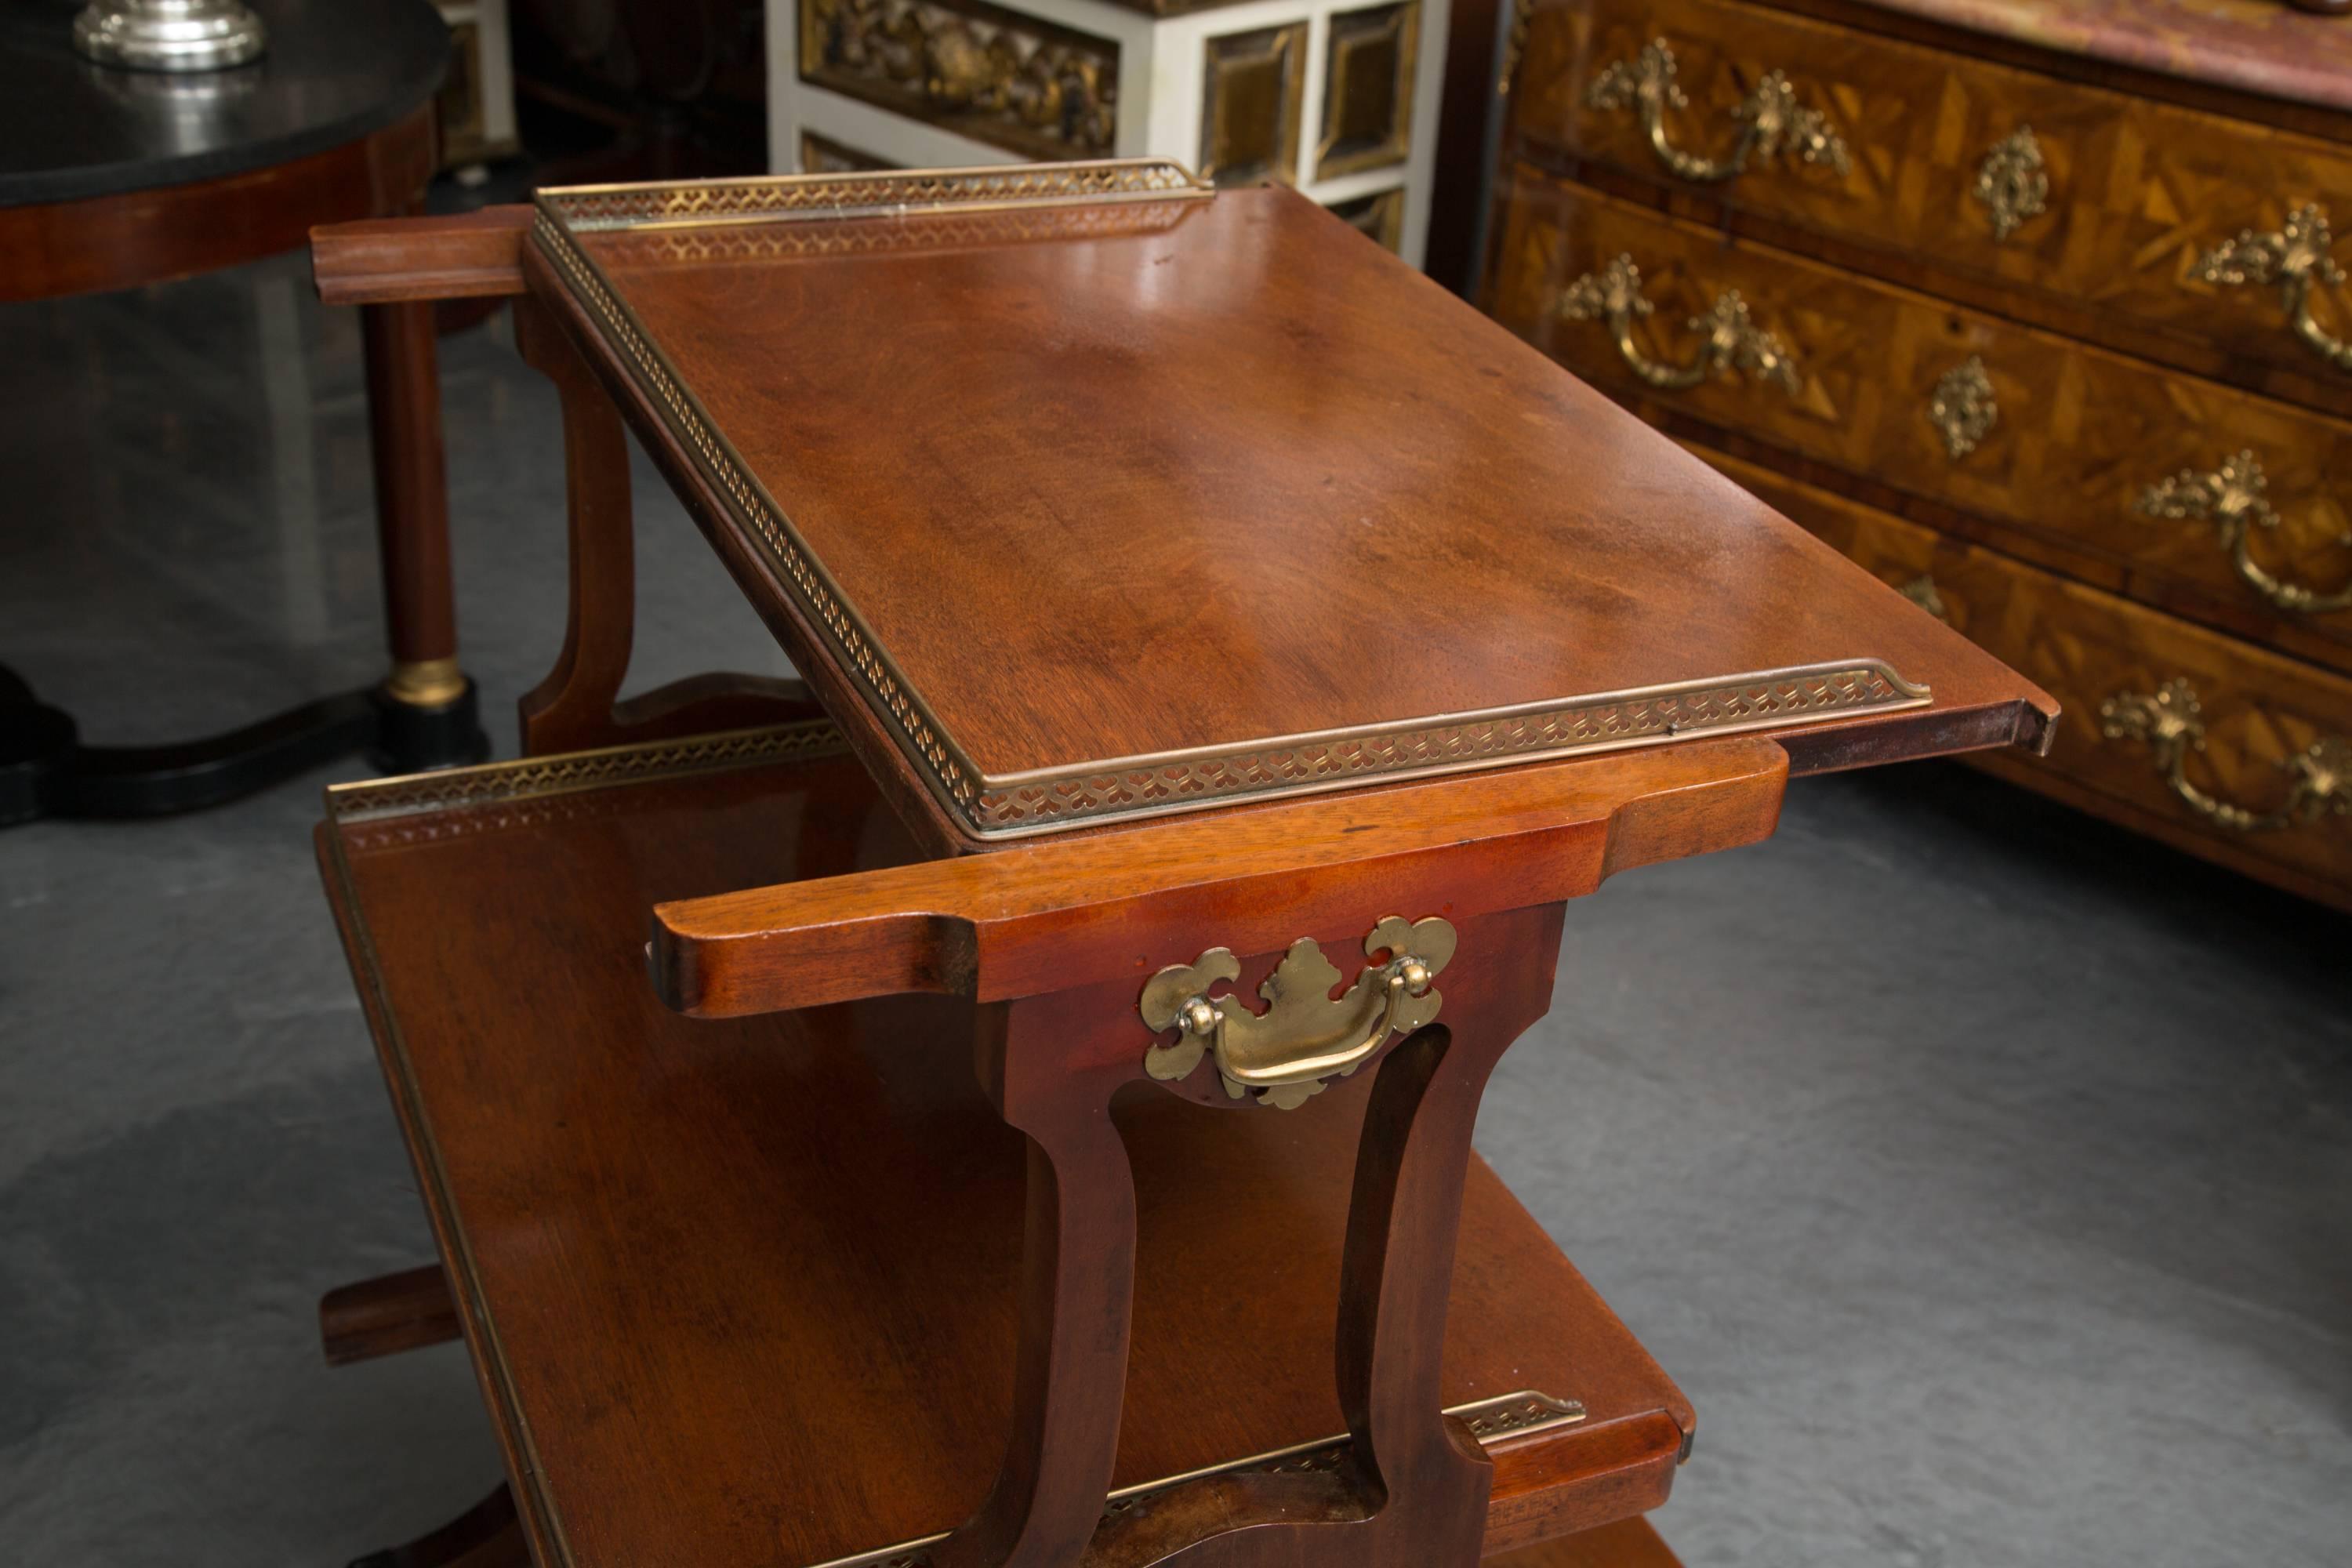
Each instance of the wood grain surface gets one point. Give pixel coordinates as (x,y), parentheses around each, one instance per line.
(1209,483)
(1631,1543)
(2081,434)
(457,255)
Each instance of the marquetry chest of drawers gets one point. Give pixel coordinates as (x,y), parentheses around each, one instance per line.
(2040,317)
(1337,97)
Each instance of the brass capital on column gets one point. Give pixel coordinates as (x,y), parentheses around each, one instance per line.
(426,682)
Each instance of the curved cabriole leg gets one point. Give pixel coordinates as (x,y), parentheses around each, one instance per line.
(1052,1063)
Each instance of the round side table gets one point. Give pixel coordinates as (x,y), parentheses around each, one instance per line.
(115,179)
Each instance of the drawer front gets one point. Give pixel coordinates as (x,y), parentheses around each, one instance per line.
(2087,198)
(2243,755)
(2229,507)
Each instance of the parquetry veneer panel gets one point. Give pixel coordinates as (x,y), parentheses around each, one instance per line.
(2078,437)
(2259,710)
(2137,191)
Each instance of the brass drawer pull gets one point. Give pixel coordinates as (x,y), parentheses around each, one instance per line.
(1286,1054)
(2230,498)
(1962,408)
(2295,257)
(1922,591)
(1769,117)
(2170,721)
(2012,183)
(1733,344)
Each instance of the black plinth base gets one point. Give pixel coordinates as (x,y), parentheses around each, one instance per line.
(46,772)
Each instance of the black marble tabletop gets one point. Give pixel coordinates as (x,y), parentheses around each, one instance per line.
(336,70)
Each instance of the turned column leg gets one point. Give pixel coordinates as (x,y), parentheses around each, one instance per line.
(427,708)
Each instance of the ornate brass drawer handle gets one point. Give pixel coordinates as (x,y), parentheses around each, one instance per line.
(1285,1055)
(1962,408)
(1922,591)
(1771,117)
(1733,344)
(2230,498)
(2170,721)
(2295,257)
(2013,182)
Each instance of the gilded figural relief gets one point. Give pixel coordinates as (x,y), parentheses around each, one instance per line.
(985,73)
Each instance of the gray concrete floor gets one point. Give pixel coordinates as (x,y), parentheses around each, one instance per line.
(1984,1175)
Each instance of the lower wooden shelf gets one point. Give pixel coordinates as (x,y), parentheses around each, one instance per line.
(1628,1543)
(744,1291)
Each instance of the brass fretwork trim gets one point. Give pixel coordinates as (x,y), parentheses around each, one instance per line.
(1491,1421)
(877,193)
(571,772)
(1019,804)
(936,232)
(1037,801)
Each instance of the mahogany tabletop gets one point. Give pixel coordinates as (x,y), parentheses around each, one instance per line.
(1086,493)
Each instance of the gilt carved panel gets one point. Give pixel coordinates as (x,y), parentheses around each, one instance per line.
(997,77)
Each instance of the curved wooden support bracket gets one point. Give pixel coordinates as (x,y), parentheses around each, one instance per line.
(1397,1273)
(1078,1274)
(577,707)
(1416,1481)
(571,709)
